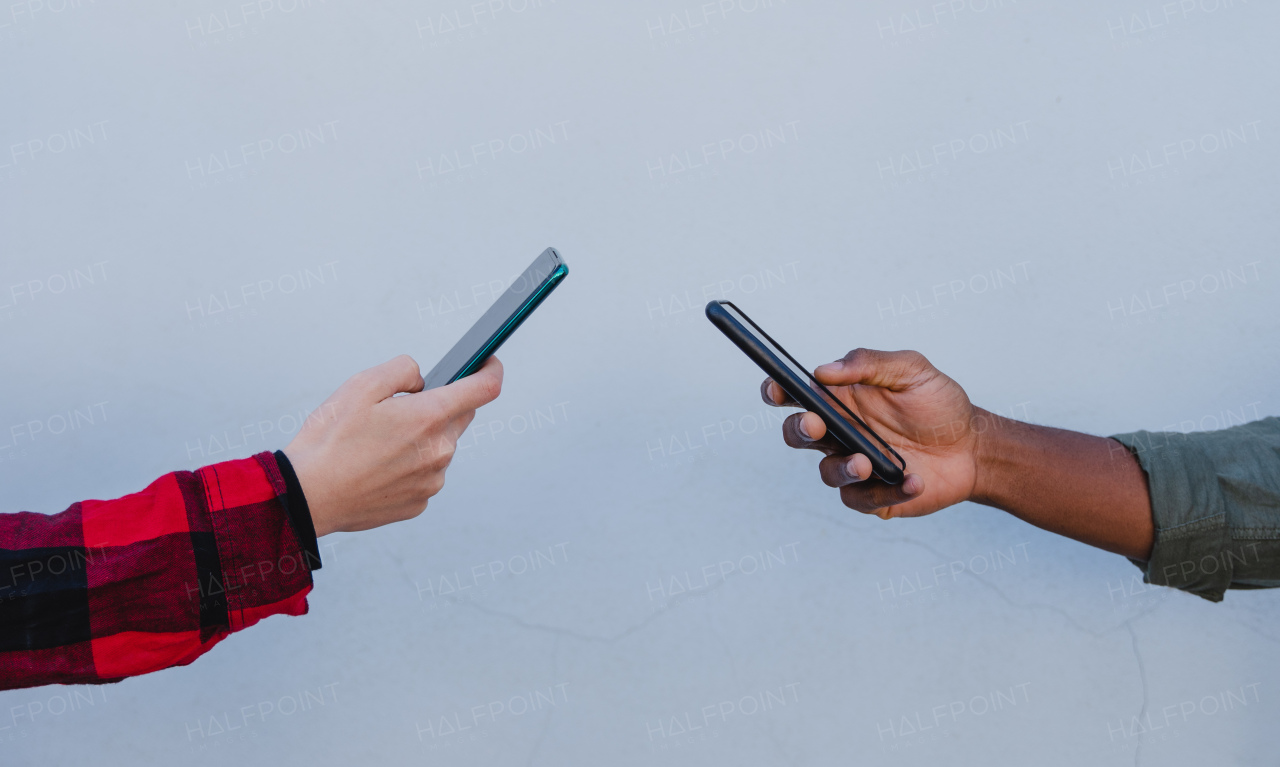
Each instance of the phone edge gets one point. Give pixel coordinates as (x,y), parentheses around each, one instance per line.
(515,321)
(889,471)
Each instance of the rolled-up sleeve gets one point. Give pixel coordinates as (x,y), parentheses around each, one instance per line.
(1215,502)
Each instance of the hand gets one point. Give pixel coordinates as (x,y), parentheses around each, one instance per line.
(922,413)
(367,458)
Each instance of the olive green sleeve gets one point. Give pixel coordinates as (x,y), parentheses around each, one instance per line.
(1215,501)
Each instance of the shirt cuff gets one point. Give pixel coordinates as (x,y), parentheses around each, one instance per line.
(295,504)
(1193,540)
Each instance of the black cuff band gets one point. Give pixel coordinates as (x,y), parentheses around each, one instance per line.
(295,504)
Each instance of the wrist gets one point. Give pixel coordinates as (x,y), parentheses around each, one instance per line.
(310,489)
(298,510)
(995,456)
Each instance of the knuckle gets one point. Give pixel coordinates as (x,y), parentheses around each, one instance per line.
(866,499)
(830,472)
(439,456)
(435,484)
(855,499)
(791,431)
(408,365)
(447,451)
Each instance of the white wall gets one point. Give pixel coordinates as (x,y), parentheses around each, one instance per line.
(810,209)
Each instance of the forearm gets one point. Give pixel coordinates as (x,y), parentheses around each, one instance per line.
(1087,488)
(111,589)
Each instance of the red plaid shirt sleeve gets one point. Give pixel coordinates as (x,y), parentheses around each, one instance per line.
(111,589)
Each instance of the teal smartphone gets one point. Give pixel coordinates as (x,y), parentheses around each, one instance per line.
(497,324)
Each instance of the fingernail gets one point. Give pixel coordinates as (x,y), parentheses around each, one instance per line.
(832,366)
(912,485)
(804,432)
(851,469)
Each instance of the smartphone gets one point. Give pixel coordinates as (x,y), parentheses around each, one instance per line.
(842,424)
(500,320)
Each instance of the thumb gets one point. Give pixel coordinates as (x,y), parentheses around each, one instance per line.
(479,388)
(400,374)
(895,371)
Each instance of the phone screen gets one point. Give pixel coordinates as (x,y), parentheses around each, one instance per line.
(497,318)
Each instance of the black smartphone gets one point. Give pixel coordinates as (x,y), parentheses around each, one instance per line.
(842,424)
(501,320)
